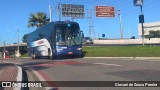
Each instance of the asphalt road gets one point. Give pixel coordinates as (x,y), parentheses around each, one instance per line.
(94,69)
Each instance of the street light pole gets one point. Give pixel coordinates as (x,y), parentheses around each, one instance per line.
(4,54)
(50,13)
(59,11)
(120,20)
(18,54)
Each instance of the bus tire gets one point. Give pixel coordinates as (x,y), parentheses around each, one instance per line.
(34,56)
(49,55)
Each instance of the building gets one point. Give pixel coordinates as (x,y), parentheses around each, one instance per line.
(153,26)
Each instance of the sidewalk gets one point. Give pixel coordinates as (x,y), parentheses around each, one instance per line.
(8,73)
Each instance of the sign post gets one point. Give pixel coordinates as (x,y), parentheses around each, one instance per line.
(141,17)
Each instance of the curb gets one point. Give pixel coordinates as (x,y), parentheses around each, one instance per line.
(19,77)
(116,57)
(135,58)
(38,76)
(25,57)
(13,73)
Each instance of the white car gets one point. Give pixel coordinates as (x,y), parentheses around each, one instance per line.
(88,40)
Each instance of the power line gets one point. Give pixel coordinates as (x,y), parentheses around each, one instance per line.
(128,10)
(67,1)
(145,9)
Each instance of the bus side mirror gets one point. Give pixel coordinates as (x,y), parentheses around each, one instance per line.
(82,34)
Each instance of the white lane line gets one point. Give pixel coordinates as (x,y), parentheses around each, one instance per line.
(108,64)
(154,60)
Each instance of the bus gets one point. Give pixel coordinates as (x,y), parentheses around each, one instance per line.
(59,38)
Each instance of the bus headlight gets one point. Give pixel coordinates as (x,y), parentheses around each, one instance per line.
(79,48)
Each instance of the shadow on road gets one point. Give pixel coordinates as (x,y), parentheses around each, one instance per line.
(4,65)
(38,65)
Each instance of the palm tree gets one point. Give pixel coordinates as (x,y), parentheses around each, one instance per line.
(38,19)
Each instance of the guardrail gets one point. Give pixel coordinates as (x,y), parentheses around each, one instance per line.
(128,41)
(11,45)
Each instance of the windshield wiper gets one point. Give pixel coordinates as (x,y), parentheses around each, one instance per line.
(70,36)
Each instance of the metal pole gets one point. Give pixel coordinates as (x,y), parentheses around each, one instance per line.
(120,20)
(142,26)
(94,33)
(18,43)
(89,35)
(50,12)
(59,11)
(72,18)
(4,54)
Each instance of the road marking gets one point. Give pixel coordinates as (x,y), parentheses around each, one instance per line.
(58,63)
(108,64)
(43,77)
(155,60)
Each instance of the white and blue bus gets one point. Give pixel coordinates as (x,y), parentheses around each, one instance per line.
(59,38)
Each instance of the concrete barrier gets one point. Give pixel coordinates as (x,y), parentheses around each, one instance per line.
(128,41)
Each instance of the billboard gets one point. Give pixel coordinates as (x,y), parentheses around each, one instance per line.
(138,2)
(70,10)
(105,11)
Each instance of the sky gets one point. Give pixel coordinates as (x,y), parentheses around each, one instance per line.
(14,15)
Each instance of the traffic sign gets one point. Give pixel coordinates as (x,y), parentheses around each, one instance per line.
(103,35)
(138,2)
(70,10)
(105,11)
(141,18)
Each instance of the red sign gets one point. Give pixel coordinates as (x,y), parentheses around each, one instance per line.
(105,11)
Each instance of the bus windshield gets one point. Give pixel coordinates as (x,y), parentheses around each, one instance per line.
(68,34)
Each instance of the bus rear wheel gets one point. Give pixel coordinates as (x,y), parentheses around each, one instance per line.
(49,55)
(34,56)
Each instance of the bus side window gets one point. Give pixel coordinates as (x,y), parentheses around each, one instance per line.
(52,37)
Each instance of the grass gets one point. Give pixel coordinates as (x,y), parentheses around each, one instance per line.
(25,55)
(122,51)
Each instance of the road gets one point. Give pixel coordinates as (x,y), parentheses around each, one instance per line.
(94,69)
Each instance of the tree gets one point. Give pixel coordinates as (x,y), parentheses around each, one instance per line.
(24,38)
(38,20)
(133,37)
(153,34)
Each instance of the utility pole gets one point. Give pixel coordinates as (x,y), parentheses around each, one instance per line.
(18,54)
(50,13)
(59,11)
(4,54)
(120,20)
